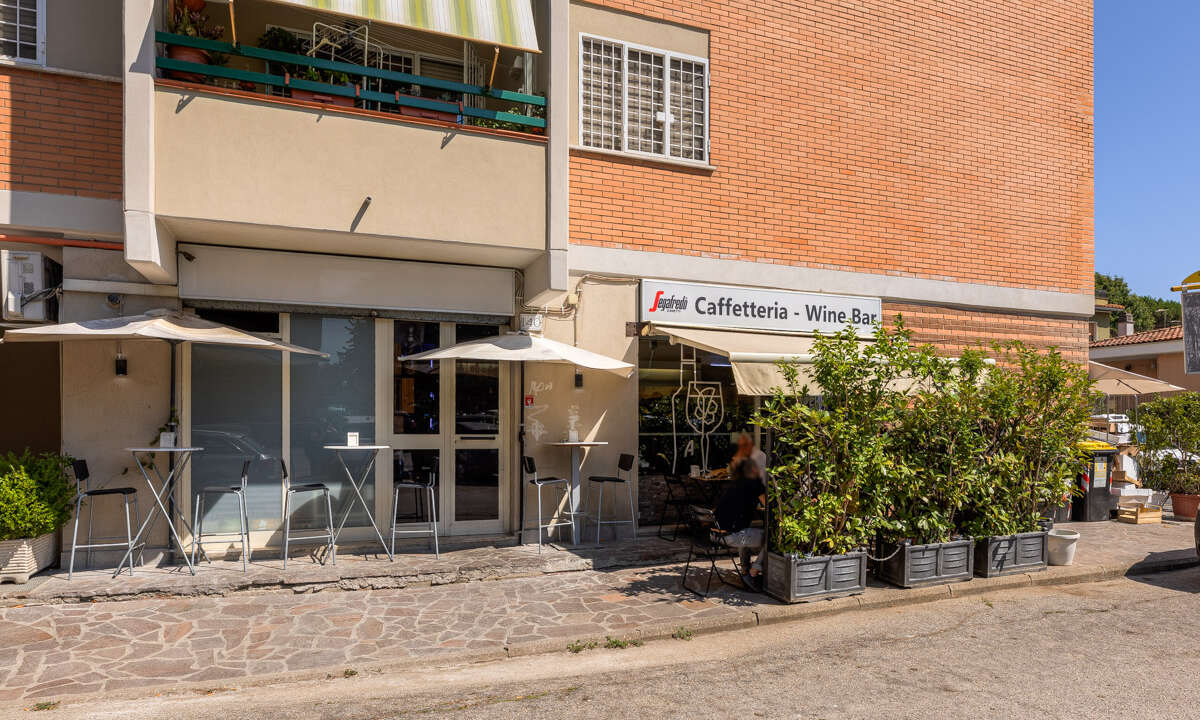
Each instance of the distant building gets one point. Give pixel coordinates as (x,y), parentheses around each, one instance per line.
(1100,327)
(1154,353)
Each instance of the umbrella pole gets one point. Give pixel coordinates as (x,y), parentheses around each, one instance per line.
(171,456)
(521,460)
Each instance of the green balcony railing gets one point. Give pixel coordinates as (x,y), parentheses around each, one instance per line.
(396,99)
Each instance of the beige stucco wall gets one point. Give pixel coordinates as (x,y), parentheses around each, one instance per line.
(605,408)
(84,36)
(254,162)
(624,27)
(103,414)
(1172,369)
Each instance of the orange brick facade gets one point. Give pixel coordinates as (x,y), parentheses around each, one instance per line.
(59,134)
(950,329)
(939,139)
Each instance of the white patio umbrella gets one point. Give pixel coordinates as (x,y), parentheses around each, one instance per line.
(522,348)
(1115,381)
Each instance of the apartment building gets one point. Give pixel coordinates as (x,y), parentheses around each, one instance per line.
(694,188)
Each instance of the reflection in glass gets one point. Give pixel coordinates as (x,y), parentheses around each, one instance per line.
(414,466)
(477,387)
(477,484)
(416,383)
(329,398)
(237,415)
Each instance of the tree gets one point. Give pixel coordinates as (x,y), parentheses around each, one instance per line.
(1143,308)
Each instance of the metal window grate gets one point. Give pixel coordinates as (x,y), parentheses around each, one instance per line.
(688,109)
(19,29)
(600,94)
(644,103)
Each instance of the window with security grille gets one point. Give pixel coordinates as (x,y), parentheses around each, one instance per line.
(601,82)
(642,100)
(19,29)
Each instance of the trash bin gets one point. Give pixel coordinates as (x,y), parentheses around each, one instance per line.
(1096,503)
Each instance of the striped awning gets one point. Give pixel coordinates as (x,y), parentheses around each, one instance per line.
(507,23)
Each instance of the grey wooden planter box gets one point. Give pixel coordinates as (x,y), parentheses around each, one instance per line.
(793,578)
(917,565)
(1009,554)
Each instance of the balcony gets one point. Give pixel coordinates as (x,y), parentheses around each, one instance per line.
(258,147)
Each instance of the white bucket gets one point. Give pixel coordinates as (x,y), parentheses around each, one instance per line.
(1060,546)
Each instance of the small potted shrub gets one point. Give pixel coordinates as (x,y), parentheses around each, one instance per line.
(1169,458)
(936,451)
(329,78)
(35,501)
(192,23)
(1032,415)
(829,460)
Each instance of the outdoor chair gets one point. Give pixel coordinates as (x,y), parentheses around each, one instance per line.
(679,498)
(530,468)
(624,465)
(83,490)
(422,489)
(238,492)
(314,488)
(708,542)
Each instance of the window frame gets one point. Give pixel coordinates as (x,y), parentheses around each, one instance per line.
(40,61)
(667,56)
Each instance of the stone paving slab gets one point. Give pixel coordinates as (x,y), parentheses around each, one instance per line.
(150,645)
(353,571)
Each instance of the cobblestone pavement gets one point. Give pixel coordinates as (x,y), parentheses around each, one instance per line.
(145,645)
(57,650)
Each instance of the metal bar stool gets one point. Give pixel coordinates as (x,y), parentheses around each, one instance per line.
(239,492)
(624,465)
(678,497)
(289,491)
(83,490)
(422,489)
(530,468)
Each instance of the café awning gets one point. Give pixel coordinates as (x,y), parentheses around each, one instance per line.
(507,23)
(754,357)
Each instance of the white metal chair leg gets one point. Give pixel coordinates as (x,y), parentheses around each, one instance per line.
(128,535)
(91,502)
(632,511)
(433,522)
(599,512)
(245,534)
(329,526)
(74,537)
(287,524)
(539,527)
(395,509)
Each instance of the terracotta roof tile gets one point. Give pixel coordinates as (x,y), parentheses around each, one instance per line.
(1149,336)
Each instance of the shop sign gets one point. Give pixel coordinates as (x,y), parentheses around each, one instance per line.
(721,306)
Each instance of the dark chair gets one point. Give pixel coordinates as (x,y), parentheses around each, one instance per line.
(83,490)
(327,537)
(624,465)
(530,468)
(679,497)
(422,489)
(239,492)
(708,542)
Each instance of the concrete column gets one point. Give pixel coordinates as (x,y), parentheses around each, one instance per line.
(149,248)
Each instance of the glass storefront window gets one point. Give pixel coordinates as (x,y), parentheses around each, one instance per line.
(477,387)
(237,415)
(476,484)
(330,397)
(416,383)
(663,385)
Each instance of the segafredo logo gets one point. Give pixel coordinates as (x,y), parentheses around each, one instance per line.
(668,303)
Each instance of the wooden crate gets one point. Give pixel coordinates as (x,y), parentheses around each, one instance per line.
(1138,514)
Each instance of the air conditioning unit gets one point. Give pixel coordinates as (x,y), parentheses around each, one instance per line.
(23,275)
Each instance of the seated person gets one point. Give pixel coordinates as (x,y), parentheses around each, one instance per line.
(747,449)
(737,510)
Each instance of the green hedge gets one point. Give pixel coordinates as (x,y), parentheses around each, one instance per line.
(35,494)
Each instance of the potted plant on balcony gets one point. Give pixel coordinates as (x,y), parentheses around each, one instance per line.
(937,449)
(35,501)
(830,459)
(1032,414)
(1169,458)
(328,77)
(192,23)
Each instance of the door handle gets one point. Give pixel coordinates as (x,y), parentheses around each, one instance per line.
(477,437)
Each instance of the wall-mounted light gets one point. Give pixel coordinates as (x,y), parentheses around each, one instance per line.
(122,365)
(578,378)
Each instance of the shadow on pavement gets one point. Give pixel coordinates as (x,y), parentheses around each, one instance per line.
(1186,581)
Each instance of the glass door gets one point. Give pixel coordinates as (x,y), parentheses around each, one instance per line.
(448,425)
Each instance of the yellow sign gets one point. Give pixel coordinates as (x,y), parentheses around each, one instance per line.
(1191,282)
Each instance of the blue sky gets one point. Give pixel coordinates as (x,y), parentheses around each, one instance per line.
(1148,141)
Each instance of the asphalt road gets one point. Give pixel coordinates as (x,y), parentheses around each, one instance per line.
(1128,648)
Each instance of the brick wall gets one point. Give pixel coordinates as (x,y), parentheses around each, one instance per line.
(944,139)
(951,329)
(59,134)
